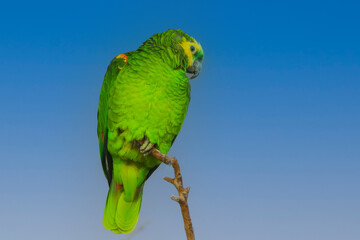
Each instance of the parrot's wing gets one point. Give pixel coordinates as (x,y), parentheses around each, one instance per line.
(113,70)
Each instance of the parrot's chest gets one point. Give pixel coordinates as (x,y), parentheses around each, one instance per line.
(164,113)
(151,112)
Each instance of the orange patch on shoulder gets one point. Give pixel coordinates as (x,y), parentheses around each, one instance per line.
(123,56)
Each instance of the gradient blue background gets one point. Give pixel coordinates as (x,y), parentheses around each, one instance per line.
(270,145)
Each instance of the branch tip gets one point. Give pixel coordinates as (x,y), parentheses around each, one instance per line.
(175,198)
(169,180)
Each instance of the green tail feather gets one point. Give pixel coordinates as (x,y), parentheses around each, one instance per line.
(121,216)
(124,198)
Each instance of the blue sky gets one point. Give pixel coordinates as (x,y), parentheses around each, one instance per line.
(270,145)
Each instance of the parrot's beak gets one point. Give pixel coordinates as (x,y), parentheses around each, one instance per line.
(194,70)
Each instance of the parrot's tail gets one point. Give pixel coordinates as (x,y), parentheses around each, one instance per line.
(123,202)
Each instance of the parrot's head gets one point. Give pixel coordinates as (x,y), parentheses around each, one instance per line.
(187,53)
(194,56)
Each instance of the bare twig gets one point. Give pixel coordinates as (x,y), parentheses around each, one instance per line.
(183,192)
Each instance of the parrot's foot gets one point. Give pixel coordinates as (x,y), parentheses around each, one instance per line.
(146,147)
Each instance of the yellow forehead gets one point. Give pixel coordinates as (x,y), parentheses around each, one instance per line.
(186,46)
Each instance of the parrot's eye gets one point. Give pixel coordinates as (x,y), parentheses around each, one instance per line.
(192,48)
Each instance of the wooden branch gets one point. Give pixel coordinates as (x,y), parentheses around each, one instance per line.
(183,192)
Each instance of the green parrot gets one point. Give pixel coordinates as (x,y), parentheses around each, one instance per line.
(144,97)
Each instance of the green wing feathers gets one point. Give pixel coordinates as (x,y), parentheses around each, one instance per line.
(115,66)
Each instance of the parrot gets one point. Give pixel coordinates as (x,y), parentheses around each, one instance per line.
(143,102)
